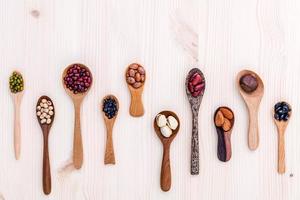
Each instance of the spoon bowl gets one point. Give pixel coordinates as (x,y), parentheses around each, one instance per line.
(109,123)
(252,101)
(136,108)
(195,103)
(46,162)
(77,101)
(165,177)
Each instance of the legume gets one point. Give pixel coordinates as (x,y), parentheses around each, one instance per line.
(135,75)
(110,107)
(16,83)
(249,83)
(282,111)
(196,85)
(45,111)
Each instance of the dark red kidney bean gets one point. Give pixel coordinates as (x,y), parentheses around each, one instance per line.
(191,87)
(199,87)
(196,93)
(197,79)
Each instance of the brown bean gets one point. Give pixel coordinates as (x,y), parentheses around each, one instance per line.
(137,85)
(130,80)
(227,125)
(134,66)
(219,119)
(227,113)
(137,77)
(142,78)
(131,72)
(141,70)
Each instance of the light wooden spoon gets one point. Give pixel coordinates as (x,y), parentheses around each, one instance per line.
(77,100)
(17,99)
(281,127)
(195,103)
(46,162)
(166,177)
(252,101)
(136,108)
(109,152)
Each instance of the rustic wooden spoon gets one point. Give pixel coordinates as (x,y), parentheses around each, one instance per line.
(252,101)
(195,103)
(46,163)
(136,108)
(17,99)
(109,152)
(77,100)
(224,137)
(281,127)
(165,177)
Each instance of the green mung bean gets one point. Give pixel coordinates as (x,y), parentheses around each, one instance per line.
(16,83)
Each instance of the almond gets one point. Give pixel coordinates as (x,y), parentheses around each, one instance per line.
(227,125)
(219,119)
(227,113)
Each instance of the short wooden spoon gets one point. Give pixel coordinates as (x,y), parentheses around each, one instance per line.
(281,127)
(195,103)
(165,177)
(77,100)
(109,152)
(17,99)
(46,163)
(136,108)
(252,101)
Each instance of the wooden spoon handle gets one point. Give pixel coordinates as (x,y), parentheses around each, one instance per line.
(195,146)
(17,131)
(46,164)
(77,146)
(221,145)
(227,139)
(136,105)
(281,153)
(109,152)
(253,133)
(165,179)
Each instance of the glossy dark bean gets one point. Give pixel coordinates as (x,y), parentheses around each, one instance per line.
(282,111)
(110,107)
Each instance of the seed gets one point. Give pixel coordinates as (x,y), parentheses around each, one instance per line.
(48,121)
(137,77)
(249,83)
(16,83)
(38,113)
(227,113)
(134,66)
(43,121)
(137,85)
(130,80)
(51,113)
(227,125)
(219,119)
(131,72)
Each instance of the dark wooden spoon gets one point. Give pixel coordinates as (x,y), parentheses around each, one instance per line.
(195,103)
(46,163)
(165,177)
(224,136)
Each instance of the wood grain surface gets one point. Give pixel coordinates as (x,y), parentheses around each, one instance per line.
(40,37)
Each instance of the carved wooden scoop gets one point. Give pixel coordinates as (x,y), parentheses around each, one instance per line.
(224,122)
(195,102)
(46,130)
(281,118)
(17,99)
(109,122)
(252,100)
(77,100)
(165,177)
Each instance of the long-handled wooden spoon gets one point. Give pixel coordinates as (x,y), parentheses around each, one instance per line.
(281,115)
(166,177)
(252,100)
(17,99)
(136,108)
(195,94)
(110,113)
(224,122)
(77,100)
(46,126)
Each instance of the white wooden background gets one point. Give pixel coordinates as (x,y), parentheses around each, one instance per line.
(41,37)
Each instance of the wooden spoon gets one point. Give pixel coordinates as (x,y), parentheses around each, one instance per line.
(77,100)
(281,127)
(165,177)
(17,99)
(195,103)
(136,108)
(46,163)
(109,152)
(252,101)
(224,136)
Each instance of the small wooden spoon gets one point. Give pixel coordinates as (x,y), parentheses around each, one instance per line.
(46,163)
(17,99)
(195,103)
(224,137)
(77,100)
(109,152)
(281,127)
(136,108)
(252,101)
(165,177)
